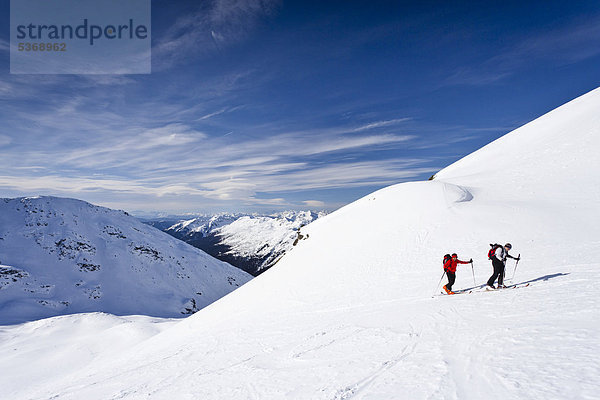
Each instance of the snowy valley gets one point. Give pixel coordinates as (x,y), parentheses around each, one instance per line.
(251,242)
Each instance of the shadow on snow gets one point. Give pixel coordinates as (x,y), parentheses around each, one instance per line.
(541,278)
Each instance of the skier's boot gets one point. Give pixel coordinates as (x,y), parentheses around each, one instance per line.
(490,287)
(448,290)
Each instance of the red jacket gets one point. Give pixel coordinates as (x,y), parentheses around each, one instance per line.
(451,264)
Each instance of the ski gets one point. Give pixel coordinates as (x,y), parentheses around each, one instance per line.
(465,291)
(514,286)
(483,289)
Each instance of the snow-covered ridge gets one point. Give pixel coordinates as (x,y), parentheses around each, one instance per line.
(62,256)
(252,242)
(266,238)
(203,225)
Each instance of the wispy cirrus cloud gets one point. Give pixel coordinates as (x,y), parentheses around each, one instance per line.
(562,46)
(7,90)
(216,23)
(314,203)
(60,184)
(4,140)
(176,159)
(190,147)
(225,187)
(380,124)
(232,18)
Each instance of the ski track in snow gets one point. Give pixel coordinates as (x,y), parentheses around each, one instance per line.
(455,347)
(356,390)
(483,365)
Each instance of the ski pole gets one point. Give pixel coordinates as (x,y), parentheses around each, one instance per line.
(438,285)
(473,271)
(515,270)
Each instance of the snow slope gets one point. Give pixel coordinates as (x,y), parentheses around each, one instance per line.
(60,345)
(348,315)
(65,256)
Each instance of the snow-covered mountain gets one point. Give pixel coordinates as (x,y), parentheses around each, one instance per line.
(203,225)
(264,239)
(251,242)
(62,256)
(352,316)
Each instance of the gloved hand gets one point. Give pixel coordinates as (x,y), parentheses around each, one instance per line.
(471,260)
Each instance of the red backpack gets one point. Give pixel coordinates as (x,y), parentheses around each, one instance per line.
(492,251)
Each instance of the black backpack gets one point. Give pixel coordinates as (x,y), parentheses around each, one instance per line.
(446,258)
(492,251)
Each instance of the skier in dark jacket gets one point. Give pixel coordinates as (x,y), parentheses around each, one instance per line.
(450,268)
(498,258)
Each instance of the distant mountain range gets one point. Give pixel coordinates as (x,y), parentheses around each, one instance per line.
(62,256)
(251,242)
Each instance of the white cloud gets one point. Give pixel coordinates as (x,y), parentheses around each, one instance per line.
(61,184)
(108,80)
(218,112)
(303,143)
(81,147)
(344,175)
(379,124)
(210,115)
(5,140)
(314,203)
(218,173)
(217,23)
(230,189)
(278,201)
(177,147)
(560,46)
(9,91)
(217,37)
(175,134)
(237,16)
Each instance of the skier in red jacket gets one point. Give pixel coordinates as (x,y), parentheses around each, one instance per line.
(450,268)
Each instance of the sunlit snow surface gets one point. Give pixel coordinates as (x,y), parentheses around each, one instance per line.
(353,311)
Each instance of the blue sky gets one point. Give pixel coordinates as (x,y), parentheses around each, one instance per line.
(270,105)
